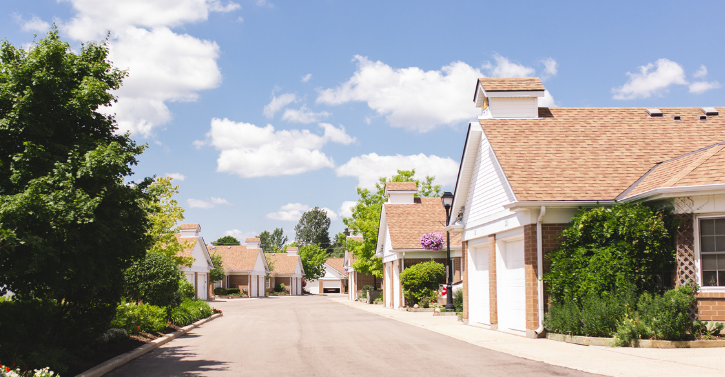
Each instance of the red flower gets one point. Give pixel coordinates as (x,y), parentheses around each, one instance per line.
(14,364)
(7,369)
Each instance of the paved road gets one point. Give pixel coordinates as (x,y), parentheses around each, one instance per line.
(314,336)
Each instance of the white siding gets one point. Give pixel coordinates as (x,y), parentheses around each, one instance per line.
(488,191)
(508,107)
(388,245)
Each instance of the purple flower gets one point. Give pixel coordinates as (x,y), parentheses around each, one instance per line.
(432,241)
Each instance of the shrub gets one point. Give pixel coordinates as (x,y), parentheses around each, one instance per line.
(458,300)
(707,329)
(424,303)
(136,318)
(420,279)
(190,311)
(564,318)
(231,291)
(153,279)
(279,287)
(607,247)
(600,314)
(668,316)
(220,291)
(113,335)
(186,290)
(368,288)
(630,330)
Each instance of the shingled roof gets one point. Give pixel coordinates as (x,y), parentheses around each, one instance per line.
(338,264)
(283,262)
(598,153)
(401,186)
(511,84)
(408,222)
(189,247)
(238,258)
(189,226)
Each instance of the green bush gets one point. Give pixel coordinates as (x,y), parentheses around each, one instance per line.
(220,291)
(601,314)
(668,316)
(231,291)
(420,279)
(153,279)
(186,291)
(458,300)
(608,247)
(630,330)
(136,318)
(190,311)
(564,318)
(279,287)
(424,303)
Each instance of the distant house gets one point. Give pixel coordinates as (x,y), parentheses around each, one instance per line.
(526,170)
(245,268)
(286,268)
(198,273)
(355,279)
(403,221)
(334,280)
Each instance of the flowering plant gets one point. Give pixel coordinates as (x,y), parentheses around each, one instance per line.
(7,371)
(432,241)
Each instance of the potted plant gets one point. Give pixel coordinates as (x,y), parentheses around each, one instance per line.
(432,241)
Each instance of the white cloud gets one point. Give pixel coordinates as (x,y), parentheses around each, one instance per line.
(346,208)
(306,77)
(507,68)
(330,213)
(410,97)
(277,103)
(251,151)
(304,115)
(700,87)
(701,72)
(551,67)
(369,167)
(176,176)
(206,204)
(163,66)
(289,212)
(239,235)
(652,79)
(35,24)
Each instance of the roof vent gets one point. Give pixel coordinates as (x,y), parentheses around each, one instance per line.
(654,112)
(703,117)
(676,117)
(710,111)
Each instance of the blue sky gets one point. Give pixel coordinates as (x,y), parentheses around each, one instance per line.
(262,109)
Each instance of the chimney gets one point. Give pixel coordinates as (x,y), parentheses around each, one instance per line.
(401,192)
(189,230)
(253,243)
(292,250)
(509,98)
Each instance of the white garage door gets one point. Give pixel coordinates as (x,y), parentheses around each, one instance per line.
(331,284)
(511,286)
(479,303)
(252,285)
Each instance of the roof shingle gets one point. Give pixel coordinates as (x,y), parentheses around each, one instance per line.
(283,263)
(511,84)
(408,222)
(338,264)
(401,186)
(237,258)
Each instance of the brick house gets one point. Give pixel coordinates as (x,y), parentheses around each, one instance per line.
(198,273)
(526,170)
(287,269)
(245,267)
(355,279)
(334,280)
(403,220)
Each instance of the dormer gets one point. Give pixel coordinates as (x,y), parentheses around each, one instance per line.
(252,243)
(292,250)
(513,98)
(189,230)
(400,192)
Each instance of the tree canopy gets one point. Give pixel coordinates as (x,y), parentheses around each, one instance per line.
(313,228)
(313,259)
(365,218)
(226,240)
(339,245)
(70,222)
(165,213)
(272,242)
(217,273)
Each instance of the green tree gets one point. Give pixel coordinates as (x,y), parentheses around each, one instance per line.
(313,228)
(165,213)
(70,223)
(365,218)
(313,259)
(272,242)
(218,272)
(153,280)
(226,240)
(339,245)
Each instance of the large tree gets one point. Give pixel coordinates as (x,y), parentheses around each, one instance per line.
(165,213)
(70,222)
(273,242)
(365,219)
(313,228)
(226,240)
(339,245)
(313,259)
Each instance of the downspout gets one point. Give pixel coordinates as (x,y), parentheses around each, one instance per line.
(540,268)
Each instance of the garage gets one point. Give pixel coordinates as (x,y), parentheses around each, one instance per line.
(253,286)
(331,286)
(479,302)
(511,288)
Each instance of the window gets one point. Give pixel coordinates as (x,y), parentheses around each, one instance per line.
(712,252)
(268,283)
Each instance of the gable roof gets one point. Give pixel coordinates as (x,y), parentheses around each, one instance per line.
(338,264)
(189,226)
(594,153)
(238,258)
(400,186)
(189,247)
(283,262)
(511,84)
(252,240)
(408,222)
(356,238)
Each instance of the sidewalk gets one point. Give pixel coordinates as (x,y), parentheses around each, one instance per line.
(610,361)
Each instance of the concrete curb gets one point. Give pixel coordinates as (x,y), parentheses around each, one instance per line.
(644,343)
(109,365)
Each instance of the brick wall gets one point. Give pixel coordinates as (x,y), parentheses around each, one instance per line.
(363,280)
(283,280)
(238,281)
(492,282)
(711,306)
(550,234)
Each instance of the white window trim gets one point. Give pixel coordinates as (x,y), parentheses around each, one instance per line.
(698,263)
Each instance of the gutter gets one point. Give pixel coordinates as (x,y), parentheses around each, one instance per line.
(557,203)
(540,268)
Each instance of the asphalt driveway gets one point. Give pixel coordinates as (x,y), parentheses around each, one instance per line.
(315,336)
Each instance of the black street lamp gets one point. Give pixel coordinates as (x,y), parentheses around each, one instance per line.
(447,200)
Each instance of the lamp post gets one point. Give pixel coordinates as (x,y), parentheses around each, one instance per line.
(447,200)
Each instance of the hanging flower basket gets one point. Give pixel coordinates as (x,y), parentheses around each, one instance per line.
(432,241)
